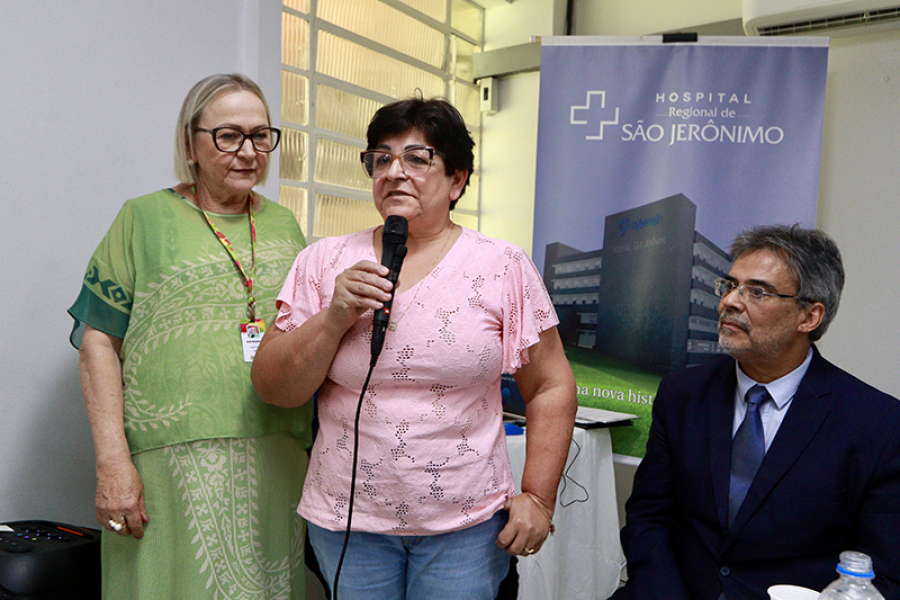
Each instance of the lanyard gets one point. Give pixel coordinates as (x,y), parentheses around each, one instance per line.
(248,281)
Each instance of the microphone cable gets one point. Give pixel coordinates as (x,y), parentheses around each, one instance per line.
(393,252)
(337,573)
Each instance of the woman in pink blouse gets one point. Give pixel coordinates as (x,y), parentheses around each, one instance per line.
(435,512)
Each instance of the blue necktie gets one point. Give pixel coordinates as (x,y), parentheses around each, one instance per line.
(747,450)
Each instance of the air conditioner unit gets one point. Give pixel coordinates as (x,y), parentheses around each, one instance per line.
(819,17)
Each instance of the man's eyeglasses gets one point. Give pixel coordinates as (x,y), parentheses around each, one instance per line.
(414,162)
(231,139)
(748,293)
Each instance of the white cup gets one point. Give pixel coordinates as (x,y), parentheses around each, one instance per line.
(792,592)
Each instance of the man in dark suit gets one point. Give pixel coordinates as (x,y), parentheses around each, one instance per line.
(740,490)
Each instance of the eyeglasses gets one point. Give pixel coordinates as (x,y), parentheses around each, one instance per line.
(414,162)
(231,139)
(752,293)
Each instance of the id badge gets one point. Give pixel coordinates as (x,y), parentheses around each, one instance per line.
(251,335)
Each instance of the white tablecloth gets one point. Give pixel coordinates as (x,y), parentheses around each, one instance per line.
(582,561)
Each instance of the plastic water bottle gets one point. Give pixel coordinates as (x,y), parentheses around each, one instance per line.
(855,582)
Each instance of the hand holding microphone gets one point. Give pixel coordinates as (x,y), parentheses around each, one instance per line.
(393,251)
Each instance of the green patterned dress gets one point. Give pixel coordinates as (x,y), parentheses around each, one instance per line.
(222,471)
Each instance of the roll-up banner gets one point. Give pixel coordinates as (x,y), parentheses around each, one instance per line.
(652,156)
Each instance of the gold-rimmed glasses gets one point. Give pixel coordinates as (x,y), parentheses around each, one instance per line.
(414,161)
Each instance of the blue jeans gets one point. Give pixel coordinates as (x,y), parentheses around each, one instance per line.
(459,565)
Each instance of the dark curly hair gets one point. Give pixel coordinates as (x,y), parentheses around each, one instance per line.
(440,123)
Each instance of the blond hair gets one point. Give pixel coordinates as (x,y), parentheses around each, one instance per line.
(205,91)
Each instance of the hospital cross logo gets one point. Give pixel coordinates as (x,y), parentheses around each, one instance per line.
(594,108)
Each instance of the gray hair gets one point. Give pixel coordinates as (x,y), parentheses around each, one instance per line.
(813,260)
(205,91)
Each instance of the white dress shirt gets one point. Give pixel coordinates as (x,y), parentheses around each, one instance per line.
(782,391)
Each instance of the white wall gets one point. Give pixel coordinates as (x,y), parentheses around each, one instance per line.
(509,140)
(859,202)
(644,17)
(90,92)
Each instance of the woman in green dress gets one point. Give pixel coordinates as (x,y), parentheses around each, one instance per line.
(198,481)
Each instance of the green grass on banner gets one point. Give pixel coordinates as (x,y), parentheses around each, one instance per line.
(612,384)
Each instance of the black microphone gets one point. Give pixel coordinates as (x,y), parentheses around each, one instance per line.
(393,251)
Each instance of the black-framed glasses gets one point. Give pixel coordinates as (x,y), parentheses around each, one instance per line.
(414,161)
(231,139)
(748,293)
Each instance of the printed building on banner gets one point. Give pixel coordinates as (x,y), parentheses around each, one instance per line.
(647,297)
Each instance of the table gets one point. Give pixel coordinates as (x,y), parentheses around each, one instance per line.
(584,559)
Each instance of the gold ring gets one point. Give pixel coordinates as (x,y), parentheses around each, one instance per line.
(116,525)
(529,551)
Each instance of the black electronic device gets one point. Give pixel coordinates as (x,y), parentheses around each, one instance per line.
(43,560)
(393,251)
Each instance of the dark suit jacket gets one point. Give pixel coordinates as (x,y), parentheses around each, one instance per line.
(829,482)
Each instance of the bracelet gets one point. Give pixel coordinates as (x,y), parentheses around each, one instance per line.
(544,510)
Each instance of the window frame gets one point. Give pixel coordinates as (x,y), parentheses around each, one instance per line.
(315,135)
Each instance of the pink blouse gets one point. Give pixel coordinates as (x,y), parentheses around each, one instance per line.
(432,448)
